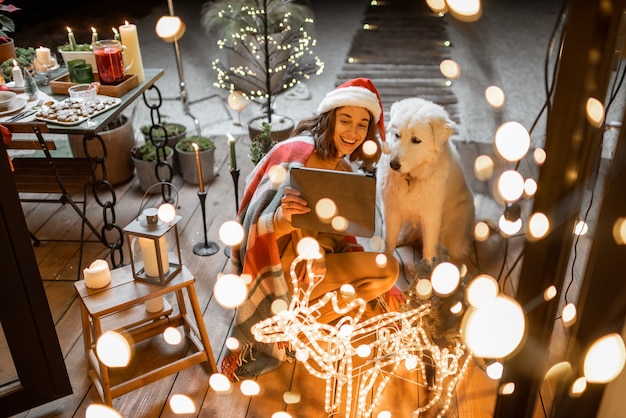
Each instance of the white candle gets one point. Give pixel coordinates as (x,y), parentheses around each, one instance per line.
(231,151)
(97,275)
(116,35)
(71,39)
(132,52)
(94,35)
(155,304)
(149,256)
(43,55)
(18,78)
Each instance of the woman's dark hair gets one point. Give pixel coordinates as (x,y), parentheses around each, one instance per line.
(322,128)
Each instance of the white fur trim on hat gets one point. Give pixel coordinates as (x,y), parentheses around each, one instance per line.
(351,96)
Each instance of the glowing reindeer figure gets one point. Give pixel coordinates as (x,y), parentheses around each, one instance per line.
(387,341)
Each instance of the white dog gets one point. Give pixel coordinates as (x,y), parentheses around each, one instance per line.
(421,185)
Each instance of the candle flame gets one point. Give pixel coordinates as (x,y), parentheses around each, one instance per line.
(69,30)
(195,146)
(93,29)
(127,22)
(14,63)
(114,31)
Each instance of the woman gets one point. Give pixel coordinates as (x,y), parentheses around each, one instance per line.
(348,116)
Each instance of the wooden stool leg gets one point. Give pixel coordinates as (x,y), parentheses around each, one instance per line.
(191,292)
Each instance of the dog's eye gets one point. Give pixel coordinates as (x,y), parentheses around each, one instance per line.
(415,140)
(397,135)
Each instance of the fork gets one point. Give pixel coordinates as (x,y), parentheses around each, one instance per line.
(26,113)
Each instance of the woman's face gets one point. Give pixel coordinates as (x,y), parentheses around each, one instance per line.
(351,124)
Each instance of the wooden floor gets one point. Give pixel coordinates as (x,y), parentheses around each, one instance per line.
(474,397)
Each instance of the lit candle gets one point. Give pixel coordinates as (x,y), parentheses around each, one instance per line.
(149,256)
(97,275)
(199,167)
(94,35)
(116,35)
(132,52)
(231,151)
(43,55)
(71,39)
(18,78)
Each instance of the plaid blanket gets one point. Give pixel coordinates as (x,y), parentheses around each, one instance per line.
(259,257)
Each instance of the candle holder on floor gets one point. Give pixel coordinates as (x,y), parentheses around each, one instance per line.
(207,247)
(235,175)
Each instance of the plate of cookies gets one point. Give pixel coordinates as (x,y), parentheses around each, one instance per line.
(72,111)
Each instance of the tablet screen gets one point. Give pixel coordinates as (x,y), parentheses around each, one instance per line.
(341,202)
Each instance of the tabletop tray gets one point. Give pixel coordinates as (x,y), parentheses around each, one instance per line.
(60,85)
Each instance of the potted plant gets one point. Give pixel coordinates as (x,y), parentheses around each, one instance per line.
(268,46)
(261,144)
(7,46)
(23,57)
(171,131)
(186,153)
(80,51)
(145,161)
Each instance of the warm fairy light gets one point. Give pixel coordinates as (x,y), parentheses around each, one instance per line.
(578,387)
(376,243)
(549,293)
(346,331)
(233,344)
(384,414)
(561,371)
(495,97)
(512,141)
(291,398)
(231,233)
(465,10)
(619,231)
(172,336)
(424,288)
(325,209)
(101,411)
(509,228)
(182,404)
(437,6)
(278,306)
(483,167)
(113,349)
(510,185)
(381,260)
(166,212)
(277,174)
(445,278)
(568,314)
(538,225)
(457,308)
(507,388)
(281,414)
(494,370)
(347,291)
(481,290)
(308,248)
(411,363)
(220,383)
(530,187)
(250,388)
(581,228)
(370,147)
(595,112)
(539,155)
(230,291)
(364,351)
(339,223)
(605,359)
(237,101)
(450,69)
(481,231)
(495,329)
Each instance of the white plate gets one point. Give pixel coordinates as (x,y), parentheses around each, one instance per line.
(11,85)
(16,104)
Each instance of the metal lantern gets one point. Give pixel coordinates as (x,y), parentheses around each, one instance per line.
(154,245)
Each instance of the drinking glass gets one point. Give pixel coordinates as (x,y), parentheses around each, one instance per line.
(85,94)
(109,61)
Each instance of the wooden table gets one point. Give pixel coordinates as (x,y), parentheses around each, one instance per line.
(120,307)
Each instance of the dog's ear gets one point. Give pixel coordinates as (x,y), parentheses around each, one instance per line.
(443,129)
(392,109)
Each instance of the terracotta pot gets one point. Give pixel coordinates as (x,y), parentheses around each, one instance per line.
(7,50)
(119,142)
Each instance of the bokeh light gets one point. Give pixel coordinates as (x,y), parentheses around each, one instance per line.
(182,404)
(445,278)
(510,186)
(568,314)
(249,388)
(512,141)
(113,349)
(291,398)
(237,101)
(481,290)
(230,291)
(450,69)
(495,370)
(220,383)
(370,147)
(619,231)
(483,167)
(605,359)
(231,233)
(594,112)
(539,155)
(581,228)
(509,228)
(308,248)
(172,336)
(325,209)
(424,288)
(481,231)
(538,225)
(495,97)
(465,10)
(101,411)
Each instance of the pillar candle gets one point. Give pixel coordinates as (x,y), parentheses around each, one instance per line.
(149,256)
(43,55)
(94,35)
(97,275)
(231,151)
(132,52)
(199,168)
(71,39)
(18,78)
(155,304)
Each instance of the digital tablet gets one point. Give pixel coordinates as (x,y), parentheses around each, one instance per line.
(341,202)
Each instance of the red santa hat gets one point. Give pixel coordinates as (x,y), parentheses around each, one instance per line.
(359,92)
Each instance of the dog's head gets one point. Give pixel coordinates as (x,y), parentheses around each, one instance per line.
(417,132)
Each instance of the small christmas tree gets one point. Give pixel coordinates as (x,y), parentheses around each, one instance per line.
(30,86)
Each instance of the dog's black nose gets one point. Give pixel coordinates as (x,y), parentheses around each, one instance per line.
(394,164)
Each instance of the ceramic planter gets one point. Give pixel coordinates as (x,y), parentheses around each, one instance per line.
(88,56)
(189,167)
(281,127)
(146,173)
(172,140)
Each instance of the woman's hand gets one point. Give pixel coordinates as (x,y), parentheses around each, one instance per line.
(292,204)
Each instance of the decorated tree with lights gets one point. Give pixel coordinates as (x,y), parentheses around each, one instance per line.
(269,49)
